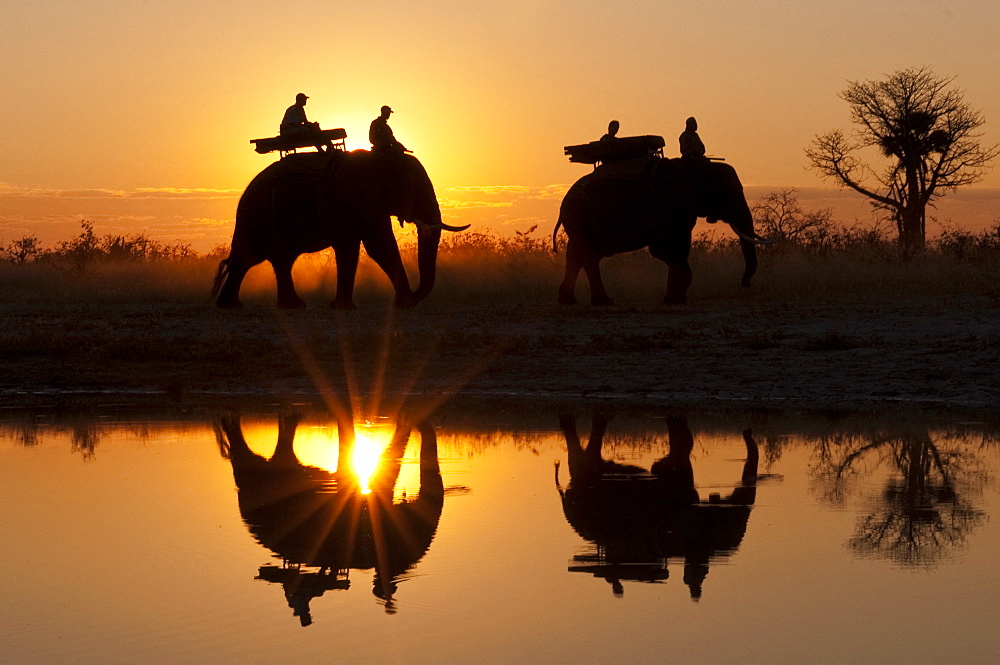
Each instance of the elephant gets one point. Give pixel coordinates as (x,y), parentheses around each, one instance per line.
(330,519)
(639,519)
(625,206)
(306,202)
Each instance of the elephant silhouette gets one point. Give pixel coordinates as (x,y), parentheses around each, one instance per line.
(331,519)
(638,519)
(625,206)
(310,201)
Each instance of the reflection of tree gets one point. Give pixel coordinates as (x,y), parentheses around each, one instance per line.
(926,505)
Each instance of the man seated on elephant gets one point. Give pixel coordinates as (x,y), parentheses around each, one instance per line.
(295,123)
(691,145)
(381,136)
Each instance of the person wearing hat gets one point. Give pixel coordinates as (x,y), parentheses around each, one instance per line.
(691,145)
(381,136)
(295,123)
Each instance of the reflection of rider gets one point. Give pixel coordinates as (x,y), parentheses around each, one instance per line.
(295,123)
(380,134)
(691,145)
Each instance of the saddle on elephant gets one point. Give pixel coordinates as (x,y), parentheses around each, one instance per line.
(289,143)
(616,149)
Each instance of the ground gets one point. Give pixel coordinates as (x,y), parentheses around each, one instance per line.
(915,352)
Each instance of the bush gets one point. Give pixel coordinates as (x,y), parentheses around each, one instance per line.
(817,261)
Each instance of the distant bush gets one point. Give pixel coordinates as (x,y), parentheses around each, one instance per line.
(816,260)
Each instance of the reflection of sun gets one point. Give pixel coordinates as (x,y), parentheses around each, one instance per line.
(365,459)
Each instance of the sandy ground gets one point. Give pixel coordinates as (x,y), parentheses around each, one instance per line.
(855,355)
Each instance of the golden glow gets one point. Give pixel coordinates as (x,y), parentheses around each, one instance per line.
(365,457)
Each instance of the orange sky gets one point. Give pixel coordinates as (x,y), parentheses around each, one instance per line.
(138,115)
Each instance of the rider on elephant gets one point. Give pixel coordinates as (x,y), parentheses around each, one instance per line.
(381,136)
(295,123)
(691,145)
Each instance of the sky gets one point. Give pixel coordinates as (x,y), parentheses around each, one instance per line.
(138,116)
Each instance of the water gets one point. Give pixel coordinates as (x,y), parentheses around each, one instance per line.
(161,538)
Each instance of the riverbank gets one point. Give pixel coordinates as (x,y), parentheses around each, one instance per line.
(917,352)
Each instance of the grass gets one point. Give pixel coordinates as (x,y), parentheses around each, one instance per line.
(837,265)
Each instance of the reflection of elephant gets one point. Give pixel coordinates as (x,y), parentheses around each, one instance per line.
(313,517)
(310,201)
(624,207)
(639,519)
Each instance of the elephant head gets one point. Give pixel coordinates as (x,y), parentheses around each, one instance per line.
(413,200)
(721,198)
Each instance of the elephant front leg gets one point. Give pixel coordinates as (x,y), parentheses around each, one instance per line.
(678,281)
(382,248)
(287,297)
(347,270)
(674,252)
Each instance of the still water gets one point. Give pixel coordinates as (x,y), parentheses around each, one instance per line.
(501,536)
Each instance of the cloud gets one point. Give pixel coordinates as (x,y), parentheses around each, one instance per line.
(491,189)
(9,191)
(452,204)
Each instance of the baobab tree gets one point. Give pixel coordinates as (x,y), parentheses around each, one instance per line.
(926,135)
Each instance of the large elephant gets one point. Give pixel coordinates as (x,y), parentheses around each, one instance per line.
(310,201)
(654,203)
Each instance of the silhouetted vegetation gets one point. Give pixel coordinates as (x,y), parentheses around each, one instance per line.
(926,135)
(818,259)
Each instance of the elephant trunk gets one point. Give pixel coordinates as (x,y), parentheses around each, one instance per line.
(428,240)
(743,226)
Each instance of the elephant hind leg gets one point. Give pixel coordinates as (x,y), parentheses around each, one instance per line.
(577,258)
(287,297)
(567,290)
(231,276)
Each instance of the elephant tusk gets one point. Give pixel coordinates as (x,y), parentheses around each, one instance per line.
(756,239)
(439,225)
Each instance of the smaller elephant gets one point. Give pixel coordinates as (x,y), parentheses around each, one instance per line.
(654,203)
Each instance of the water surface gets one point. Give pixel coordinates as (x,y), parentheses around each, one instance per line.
(520,536)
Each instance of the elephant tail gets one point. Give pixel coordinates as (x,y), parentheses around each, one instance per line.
(555,247)
(220,277)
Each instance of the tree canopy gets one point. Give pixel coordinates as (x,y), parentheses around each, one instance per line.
(925,135)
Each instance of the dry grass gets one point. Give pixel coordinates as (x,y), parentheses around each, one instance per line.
(843,265)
